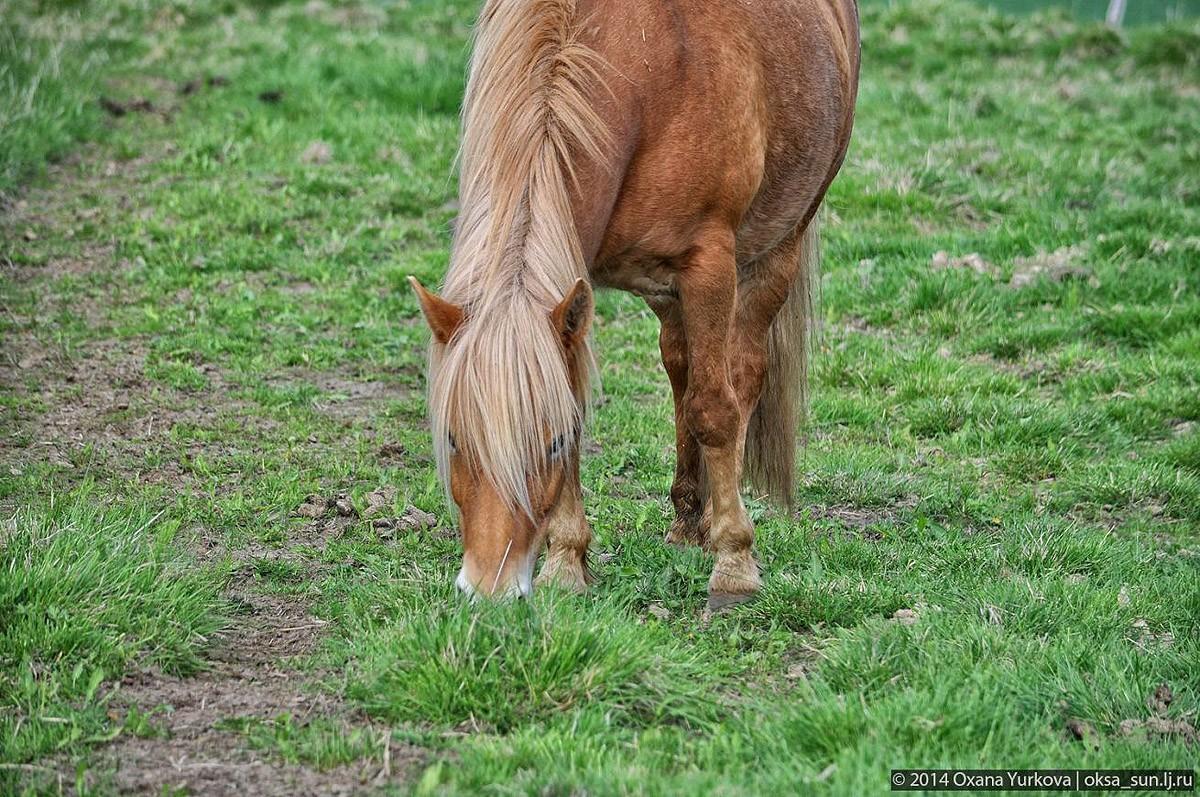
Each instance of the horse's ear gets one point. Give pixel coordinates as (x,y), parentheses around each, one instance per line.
(573,316)
(443,317)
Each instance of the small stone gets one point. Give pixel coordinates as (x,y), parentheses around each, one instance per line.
(659,611)
(905,616)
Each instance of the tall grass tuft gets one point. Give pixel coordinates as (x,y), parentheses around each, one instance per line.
(501,666)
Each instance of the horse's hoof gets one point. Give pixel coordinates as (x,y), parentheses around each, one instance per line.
(571,577)
(720,601)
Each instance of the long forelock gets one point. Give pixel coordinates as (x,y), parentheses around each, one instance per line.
(503,389)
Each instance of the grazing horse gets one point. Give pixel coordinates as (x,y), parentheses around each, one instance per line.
(676,149)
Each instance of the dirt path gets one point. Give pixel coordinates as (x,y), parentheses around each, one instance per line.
(91,412)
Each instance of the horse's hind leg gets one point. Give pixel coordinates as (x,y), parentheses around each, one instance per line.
(688,491)
(708,291)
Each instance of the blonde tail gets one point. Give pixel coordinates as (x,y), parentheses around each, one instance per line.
(770,460)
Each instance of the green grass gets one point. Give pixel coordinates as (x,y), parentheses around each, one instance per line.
(1016,462)
(87,591)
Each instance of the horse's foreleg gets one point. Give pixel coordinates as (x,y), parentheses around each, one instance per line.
(568,535)
(707,285)
(688,491)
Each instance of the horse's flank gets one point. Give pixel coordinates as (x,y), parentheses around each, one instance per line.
(527,119)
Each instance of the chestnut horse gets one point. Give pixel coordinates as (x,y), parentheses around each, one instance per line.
(676,149)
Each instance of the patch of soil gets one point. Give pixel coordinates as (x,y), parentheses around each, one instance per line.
(195,749)
(345,398)
(1062,264)
(97,409)
(862,518)
(214,765)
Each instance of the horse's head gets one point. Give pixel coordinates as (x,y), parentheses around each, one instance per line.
(507,394)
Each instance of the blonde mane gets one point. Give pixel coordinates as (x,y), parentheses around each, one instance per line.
(500,385)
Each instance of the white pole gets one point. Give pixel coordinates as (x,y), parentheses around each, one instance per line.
(1116,13)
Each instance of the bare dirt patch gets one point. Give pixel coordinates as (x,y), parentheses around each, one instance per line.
(861,519)
(250,677)
(93,412)
(1062,264)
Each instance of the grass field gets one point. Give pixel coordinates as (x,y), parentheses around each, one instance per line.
(215,572)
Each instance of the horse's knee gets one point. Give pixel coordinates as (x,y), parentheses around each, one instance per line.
(712,415)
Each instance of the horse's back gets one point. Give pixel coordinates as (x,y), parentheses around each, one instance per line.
(728,110)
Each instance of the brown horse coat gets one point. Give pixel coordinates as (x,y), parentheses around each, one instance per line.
(678,150)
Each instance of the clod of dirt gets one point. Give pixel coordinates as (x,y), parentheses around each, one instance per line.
(905,616)
(659,611)
(1158,726)
(193,85)
(415,519)
(796,672)
(1057,266)
(119,109)
(344,506)
(1161,700)
(942,261)
(317,152)
(271,96)
(1145,637)
(314,506)
(1082,731)
(379,501)
(392,451)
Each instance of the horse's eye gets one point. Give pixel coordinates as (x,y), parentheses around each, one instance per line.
(453,442)
(558,446)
